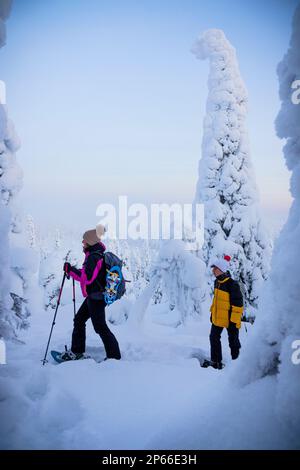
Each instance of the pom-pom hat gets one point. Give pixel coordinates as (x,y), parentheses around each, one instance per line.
(222,263)
(93,236)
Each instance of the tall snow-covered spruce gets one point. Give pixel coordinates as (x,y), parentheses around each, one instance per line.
(5,215)
(17,263)
(226,184)
(273,346)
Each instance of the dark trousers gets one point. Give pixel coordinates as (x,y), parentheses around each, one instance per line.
(215,342)
(94,309)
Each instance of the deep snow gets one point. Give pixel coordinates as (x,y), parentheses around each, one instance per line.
(157,396)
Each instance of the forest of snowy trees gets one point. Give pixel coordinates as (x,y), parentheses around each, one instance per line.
(165,276)
(226,186)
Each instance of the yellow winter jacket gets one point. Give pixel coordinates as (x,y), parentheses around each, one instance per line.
(227,302)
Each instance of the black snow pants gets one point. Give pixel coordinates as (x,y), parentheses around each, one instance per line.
(215,342)
(94,309)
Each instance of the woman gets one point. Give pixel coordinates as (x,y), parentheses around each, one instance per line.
(92,278)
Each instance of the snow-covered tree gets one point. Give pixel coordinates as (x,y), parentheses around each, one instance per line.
(5,216)
(276,337)
(159,295)
(226,184)
(5,7)
(50,268)
(182,278)
(15,264)
(55,249)
(31,232)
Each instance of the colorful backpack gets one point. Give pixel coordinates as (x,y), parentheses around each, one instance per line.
(115,286)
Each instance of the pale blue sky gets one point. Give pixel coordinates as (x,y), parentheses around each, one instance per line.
(108,100)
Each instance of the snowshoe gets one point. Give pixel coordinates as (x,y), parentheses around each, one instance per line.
(216,365)
(68,355)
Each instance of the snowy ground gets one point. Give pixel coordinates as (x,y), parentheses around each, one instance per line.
(157,396)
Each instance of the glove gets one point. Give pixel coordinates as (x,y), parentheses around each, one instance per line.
(67,269)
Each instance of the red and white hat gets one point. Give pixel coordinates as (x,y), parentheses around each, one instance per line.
(222,263)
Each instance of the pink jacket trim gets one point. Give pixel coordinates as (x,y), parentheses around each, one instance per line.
(82,278)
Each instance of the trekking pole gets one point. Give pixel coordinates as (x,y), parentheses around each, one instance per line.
(53,323)
(74,297)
